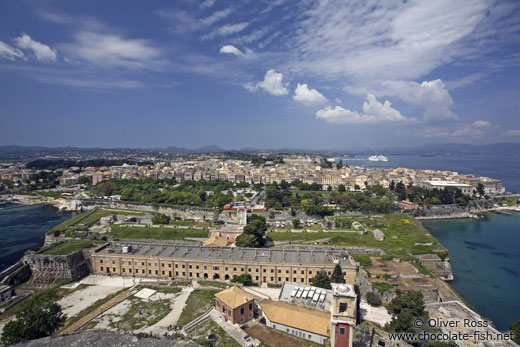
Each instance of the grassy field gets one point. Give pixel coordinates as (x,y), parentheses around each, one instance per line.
(198,302)
(401,235)
(119,232)
(67,247)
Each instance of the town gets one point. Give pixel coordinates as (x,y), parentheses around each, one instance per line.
(266,249)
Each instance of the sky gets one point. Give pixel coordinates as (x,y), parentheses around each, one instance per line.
(259,74)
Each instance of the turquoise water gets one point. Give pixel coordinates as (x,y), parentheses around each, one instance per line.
(23,228)
(485,257)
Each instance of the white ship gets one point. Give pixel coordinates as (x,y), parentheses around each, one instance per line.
(378,158)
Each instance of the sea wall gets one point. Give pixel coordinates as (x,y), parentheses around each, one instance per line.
(452,210)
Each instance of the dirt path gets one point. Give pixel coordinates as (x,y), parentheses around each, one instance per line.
(112,302)
(161,327)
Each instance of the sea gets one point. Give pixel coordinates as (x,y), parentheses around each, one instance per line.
(485,254)
(24,227)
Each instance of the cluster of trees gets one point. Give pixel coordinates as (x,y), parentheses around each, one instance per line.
(162,191)
(245,279)
(254,233)
(41,316)
(54,164)
(161,219)
(374,199)
(322,280)
(420,195)
(407,308)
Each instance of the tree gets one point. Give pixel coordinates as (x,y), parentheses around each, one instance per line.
(329,188)
(339,165)
(515,329)
(357,187)
(160,219)
(296,223)
(321,280)
(245,279)
(480,189)
(337,275)
(392,185)
(40,319)
(373,299)
(341,188)
(247,240)
(254,232)
(105,188)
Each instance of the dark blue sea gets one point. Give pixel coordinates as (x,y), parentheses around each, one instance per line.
(23,228)
(506,169)
(485,258)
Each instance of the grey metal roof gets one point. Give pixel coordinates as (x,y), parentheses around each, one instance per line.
(262,255)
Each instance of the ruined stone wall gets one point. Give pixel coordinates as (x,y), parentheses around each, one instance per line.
(183,212)
(49,268)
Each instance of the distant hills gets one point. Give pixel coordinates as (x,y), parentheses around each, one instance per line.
(13,152)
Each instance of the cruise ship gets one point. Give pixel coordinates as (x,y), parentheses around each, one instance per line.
(378,158)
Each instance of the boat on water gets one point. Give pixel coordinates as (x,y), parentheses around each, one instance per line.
(377,158)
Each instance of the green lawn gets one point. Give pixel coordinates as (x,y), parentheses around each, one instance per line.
(120,232)
(67,247)
(401,235)
(198,302)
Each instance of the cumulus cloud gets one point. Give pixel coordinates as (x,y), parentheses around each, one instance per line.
(512,132)
(308,96)
(373,112)
(230,49)
(41,51)
(272,83)
(432,95)
(111,50)
(9,52)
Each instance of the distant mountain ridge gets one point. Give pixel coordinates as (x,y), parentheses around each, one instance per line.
(14,152)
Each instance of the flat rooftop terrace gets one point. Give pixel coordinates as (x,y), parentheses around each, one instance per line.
(261,255)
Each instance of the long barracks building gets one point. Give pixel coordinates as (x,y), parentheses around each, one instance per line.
(187,262)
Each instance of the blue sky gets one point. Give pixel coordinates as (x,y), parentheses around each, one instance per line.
(264,74)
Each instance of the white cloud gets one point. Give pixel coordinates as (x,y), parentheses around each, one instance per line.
(373,112)
(272,83)
(432,95)
(230,49)
(183,21)
(512,132)
(110,50)
(226,30)
(9,52)
(374,41)
(481,124)
(207,3)
(308,96)
(41,51)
